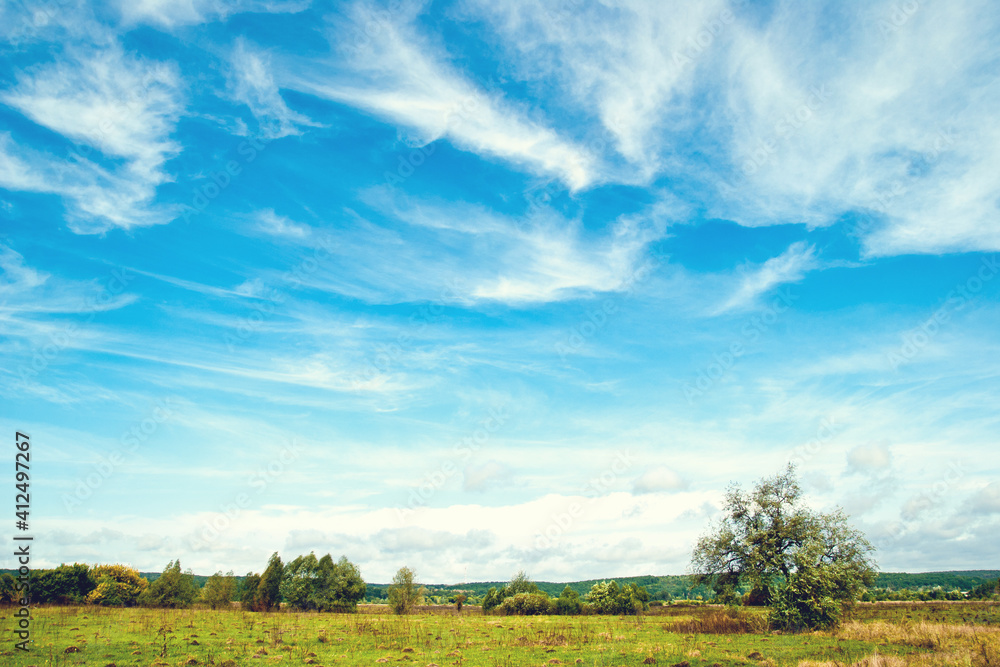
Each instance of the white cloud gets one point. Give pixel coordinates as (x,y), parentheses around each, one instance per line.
(278,225)
(125,108)
(174,13)
(871,458)
(630,61)
(252,83)
(789,266)
(397,75)
(540,259)
(895,123)
(658,479)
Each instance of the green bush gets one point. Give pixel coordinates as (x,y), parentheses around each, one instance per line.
(526,604)
(607,597)
(568,603)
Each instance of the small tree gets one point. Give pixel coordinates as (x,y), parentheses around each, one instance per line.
(248,594)
(172,589)
(219,590)
(809,566)
(404,593)
(568,603)
(459,600)
(269,588)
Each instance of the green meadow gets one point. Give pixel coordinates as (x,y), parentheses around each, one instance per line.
(698,636)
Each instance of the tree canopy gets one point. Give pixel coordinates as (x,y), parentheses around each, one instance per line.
(808,565)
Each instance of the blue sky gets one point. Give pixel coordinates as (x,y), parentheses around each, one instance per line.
(476,287)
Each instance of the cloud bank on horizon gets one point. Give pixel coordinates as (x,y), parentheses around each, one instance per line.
(477,287)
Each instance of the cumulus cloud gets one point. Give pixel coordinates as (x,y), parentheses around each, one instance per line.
(486,475)
(659,479)
(869,459)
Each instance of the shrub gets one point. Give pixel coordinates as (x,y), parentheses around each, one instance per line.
(568,603)
(526,604)
(607,597)
(117,586)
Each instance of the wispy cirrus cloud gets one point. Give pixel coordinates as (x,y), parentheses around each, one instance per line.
(540,259)
(119,111)
(790,266)
(172,14)
(631,64)
(251,82)
(403,77)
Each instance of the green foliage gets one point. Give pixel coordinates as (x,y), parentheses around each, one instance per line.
(220,590)
(172,589)
(248,594)
(568,603)
(117,586)
(337,586)
(405,593)
(269,589)
(986,590)
(607,597)
(491,600)
(459,600)
(66,584)
(8,589)
(526,604)
(810,565)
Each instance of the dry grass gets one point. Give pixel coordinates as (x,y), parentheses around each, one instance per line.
(728,622)
(922,634)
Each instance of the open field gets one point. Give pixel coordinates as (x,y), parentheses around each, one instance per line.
(932,635)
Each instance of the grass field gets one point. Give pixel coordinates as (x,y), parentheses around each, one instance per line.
(884,634)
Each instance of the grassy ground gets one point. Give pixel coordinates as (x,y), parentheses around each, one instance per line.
(95,636)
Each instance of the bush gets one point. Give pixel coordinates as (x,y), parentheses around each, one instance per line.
(526,604)
(568,603)
(117,586)
(607,597)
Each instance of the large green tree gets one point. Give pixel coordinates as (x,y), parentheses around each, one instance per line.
(809,566)
(322,584)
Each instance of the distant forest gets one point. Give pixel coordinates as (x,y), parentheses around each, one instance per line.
(668,587)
